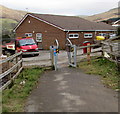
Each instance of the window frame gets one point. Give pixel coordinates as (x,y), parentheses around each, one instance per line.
(38,40)
(29,34)
(73,35)
(88,35)
(102,34)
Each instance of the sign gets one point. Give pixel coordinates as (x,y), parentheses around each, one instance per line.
(55,52)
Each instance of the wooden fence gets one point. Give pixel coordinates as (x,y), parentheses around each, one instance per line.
(11,67)
(111,49)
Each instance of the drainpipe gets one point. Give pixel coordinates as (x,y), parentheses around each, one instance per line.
(95,35)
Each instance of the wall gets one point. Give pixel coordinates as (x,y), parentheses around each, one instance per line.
(79,41)
(49,33)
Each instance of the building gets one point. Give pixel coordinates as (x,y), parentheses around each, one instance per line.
(45,28)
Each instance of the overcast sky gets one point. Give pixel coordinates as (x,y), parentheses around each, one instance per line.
(62,7)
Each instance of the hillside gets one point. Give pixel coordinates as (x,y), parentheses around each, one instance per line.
(9,19)
(11,14)
(113,13)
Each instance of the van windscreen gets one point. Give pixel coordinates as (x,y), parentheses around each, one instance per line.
(25,42)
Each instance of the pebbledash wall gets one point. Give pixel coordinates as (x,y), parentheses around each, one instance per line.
(50,33)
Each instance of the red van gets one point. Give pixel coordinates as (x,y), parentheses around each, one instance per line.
(26,45)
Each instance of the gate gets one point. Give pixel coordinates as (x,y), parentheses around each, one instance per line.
(72,53)
(54,50)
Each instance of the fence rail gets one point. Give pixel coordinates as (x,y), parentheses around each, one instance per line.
(111,50)
(11,67)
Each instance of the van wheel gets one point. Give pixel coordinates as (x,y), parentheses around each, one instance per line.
(36,54)
(8,53)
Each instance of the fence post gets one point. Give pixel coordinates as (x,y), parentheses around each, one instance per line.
(111,48)
(8,69)
(21,59)
(102,45)
(88,53)
(17,62)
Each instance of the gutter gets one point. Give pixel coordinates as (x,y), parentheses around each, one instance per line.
(87,30)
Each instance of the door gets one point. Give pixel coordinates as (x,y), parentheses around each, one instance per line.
(39,40)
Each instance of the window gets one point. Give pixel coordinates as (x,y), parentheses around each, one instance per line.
(28,34)
(73,35)
(111,35)
(25,42)
(39,37)
(102,34)
(88,35)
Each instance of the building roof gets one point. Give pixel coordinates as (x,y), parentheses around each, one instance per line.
(71,23)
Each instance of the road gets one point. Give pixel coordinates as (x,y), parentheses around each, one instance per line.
(44,58)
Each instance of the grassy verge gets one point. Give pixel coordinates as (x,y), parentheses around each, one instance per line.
(14,97)
(105,68)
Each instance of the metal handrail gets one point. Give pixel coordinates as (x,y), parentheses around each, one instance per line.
(69,42)
(57,43)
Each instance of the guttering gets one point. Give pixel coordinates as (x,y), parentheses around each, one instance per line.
(88,30)
(105,30)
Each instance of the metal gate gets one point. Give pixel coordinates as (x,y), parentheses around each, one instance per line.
(54,50)
(72,53)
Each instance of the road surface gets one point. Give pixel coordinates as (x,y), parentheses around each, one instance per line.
(70,90)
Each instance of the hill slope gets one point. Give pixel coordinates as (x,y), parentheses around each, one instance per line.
(11,14)
(113,13)
(9,19)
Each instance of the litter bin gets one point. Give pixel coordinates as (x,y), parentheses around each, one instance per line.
(85,43)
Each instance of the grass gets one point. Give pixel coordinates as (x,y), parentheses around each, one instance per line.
(8,23)
(105,68)
(13,99)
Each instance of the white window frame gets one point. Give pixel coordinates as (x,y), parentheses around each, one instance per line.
(89,35)
(102,34)
(40,39)
(73,35)
(28,34)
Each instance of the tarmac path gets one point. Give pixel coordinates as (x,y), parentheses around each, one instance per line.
(71,90)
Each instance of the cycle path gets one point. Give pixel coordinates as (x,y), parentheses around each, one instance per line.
(71,90)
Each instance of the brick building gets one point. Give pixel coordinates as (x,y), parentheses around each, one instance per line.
(45,28)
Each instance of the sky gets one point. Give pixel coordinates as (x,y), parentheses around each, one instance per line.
(62,7)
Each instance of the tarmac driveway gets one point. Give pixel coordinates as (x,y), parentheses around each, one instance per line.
(70,90)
